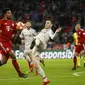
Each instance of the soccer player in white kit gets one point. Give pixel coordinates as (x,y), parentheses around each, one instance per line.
(40,44)
(27,34)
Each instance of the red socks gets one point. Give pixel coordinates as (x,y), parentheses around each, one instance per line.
(16,66)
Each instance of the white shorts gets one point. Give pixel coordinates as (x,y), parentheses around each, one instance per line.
(38,48)
(27,50)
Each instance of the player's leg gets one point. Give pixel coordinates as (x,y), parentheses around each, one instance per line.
(16,66)
(77,53)
(78,61)
(9,52)
(36,43)
(80,52)
(74,59)
(42,61)
(84,60)
(84,54)
(41,72)
(83,57)
(74,62)
(3,56)
(36,60)
(3,59)
(29,60)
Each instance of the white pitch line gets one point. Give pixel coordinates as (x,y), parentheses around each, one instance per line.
(78,73)
(63,76)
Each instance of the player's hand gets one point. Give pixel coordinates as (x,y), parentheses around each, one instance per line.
(58,30)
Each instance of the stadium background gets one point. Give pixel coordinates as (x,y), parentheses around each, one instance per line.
(64,13)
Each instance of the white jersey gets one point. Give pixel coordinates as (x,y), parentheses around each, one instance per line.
(41,41)
(28,35)
(45,35)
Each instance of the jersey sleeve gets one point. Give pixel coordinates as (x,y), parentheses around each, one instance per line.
(1,22)
(21,34)
(52,35)
(34,32)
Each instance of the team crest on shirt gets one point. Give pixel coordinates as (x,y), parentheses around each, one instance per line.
(7,49)
(5,23)
(12,24)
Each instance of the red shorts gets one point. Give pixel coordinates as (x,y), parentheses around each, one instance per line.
(6,47)
(79,48)
(1,55)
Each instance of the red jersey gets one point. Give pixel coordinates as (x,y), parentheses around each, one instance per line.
(80,35)
(8,28)
(83,39)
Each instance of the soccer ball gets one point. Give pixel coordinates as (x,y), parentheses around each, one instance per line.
(20,25)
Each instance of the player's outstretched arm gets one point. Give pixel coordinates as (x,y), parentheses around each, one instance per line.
(58,30)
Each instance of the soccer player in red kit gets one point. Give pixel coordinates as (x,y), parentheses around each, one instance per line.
(79,47)
(83,51)
(7,30)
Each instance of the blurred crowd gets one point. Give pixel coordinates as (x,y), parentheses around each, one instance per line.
(63,12)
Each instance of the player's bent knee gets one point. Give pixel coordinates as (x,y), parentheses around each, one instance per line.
(2,63)
(37,65)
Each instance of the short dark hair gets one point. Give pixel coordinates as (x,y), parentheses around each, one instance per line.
(5,10)
(50,21)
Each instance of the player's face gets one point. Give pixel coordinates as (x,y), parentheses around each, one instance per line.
(8,14)
(28,24)
(48,24)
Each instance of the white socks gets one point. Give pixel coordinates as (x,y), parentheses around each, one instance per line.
(28,58)
(41,72)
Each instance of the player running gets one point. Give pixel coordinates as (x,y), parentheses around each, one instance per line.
(27,34)
(79,45)
(40,44)
(7,31)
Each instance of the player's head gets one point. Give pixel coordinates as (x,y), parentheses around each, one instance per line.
(77,26)
(48,24)
(7,13)
(28,24)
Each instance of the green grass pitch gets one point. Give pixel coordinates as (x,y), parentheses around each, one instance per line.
(57,70)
